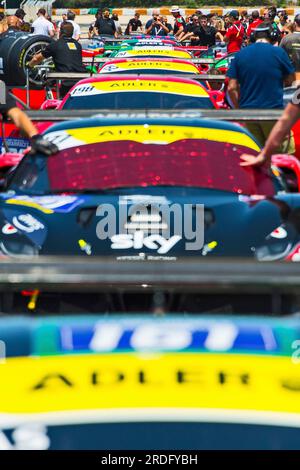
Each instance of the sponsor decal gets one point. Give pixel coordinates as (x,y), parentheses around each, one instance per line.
(31,436)
(138,241)
(135,381)
(148,133)
(145,257)
(24,223)
(48,204)
(151,64)
(15,145)
(148,52)
(223,336)
(153,86)
(71,46)
(27,223)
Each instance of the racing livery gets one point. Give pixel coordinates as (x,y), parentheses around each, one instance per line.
(150,65)
(150,51)
(57,205)
(137,92)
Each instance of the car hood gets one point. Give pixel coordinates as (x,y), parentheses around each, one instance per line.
(140,224)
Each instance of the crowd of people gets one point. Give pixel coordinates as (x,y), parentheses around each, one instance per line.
(234,28)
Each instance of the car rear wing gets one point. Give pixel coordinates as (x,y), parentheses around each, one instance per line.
(81,76)
(234,115)
(186,276)
(75,274)
(58,77)
(98,60)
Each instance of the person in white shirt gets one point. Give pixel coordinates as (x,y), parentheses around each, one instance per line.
(117,24)
(42,25)
(64,18)
(70,18)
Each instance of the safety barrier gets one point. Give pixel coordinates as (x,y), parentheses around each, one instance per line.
(166,11)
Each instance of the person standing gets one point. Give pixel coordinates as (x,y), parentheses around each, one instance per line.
(12,25)
(71,19)
(282,128)
(105,25)
(115,18)
(149,24)
(191,25)
(66,54)
(134,24)
(20,13)
(207,34)
(157,27)
(63,19)
(291,44)
(168,25)
(179,22)
(257,75)
(235,33)
(254,23)
(283,21)
(42,26)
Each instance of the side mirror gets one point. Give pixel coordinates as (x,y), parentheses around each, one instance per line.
(290,167)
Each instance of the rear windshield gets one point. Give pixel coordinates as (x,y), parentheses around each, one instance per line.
(125,164)
(137,100)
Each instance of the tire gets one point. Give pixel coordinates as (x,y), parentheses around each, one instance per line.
(16,49)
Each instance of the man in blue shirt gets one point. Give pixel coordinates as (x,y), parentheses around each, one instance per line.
(257,75)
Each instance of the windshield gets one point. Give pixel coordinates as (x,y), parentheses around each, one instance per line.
(125,164)
(137,100)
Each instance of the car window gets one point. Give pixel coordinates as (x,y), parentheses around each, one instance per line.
(138,100)
(115,164)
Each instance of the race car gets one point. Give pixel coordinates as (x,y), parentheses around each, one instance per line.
(148,189)
(102,46)
(149,65)
(138,92)
(152,51)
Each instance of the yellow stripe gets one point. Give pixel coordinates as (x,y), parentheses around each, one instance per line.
(159,86)
(33,205)
(262,383)
(172,66)
(154,52)
(160,134)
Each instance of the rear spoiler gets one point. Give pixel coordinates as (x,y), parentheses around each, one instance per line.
(104,60)
(81,76)
(235,115)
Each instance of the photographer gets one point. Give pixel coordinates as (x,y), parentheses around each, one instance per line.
(157,27)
